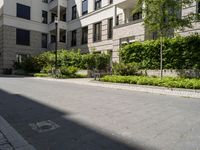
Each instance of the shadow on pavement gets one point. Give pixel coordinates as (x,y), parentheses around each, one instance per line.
(13,76)
(20,111)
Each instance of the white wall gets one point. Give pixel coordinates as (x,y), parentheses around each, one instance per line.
(196,26)
(37,6)
(107,11)
(1,6)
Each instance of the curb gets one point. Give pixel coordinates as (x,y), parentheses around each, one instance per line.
(14,138)
(131,87)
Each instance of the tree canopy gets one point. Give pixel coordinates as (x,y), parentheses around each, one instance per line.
(163,15)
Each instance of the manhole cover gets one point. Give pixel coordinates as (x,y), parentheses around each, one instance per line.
(44,126)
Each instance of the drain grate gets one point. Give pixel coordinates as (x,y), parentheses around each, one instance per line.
(44,126)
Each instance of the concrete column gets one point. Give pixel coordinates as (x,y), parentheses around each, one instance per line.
(90,34)
(114,16)
(125,16)
(66,36)
(58,15)
(49,38)
(58,10)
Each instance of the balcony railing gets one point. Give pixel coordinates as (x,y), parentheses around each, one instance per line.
(54,3)
(125,23)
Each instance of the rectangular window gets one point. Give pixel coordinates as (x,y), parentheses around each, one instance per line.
(44,40)
(53,16)
(53,38)
(73,42)
(63,38)
(198,7)
(22,37)
(137,16)
(110,28)
(110,1)
(44,17)
(85,35)
(97,32)
(97,4)
(84,7)
(23,11)
(117,20)
(74,12)
(21,57)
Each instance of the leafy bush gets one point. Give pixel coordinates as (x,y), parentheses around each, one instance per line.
(125,69)
(29,65)
(165,82)
(68,71)
(89,61)
(44,62)
(179,53)
(96,61)
(47,69)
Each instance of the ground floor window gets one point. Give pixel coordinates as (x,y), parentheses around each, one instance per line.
(21,57)
(44,40)
(85,35)
(73,38)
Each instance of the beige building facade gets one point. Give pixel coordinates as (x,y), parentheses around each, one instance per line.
(27,27)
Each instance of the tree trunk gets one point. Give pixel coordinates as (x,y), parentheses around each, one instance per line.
(161,57)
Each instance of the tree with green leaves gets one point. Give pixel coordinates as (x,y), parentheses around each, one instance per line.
(163,16)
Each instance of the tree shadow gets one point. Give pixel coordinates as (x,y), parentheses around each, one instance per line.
(20,111)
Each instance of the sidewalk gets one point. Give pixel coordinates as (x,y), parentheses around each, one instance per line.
(131,87)
(10,139)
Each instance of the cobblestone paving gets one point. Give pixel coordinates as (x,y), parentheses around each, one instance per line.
(132,87)
(4,143)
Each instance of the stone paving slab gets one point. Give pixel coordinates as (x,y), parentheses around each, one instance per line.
(10,139)
(140,88)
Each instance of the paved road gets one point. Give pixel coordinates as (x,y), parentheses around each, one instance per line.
(53,115)
(4,143)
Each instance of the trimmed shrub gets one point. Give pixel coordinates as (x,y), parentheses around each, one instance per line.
(68,71)
(66,59)
(125,69)
(178,53)
(96,61)
(165,82)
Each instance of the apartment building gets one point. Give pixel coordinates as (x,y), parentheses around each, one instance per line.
(27,27)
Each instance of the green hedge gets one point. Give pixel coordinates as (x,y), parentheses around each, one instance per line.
(165,82)
(178,53)
(75,59)
(46,61)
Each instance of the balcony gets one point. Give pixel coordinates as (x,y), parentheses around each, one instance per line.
(126,4)
(61,45)
(53,4)
(61,25)
(130,31)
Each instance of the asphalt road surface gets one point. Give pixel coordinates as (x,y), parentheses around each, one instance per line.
(53,115)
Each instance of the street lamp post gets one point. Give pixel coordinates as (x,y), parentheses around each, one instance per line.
(56,43)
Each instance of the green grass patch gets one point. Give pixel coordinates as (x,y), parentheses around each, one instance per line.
(43,75)
(155,81)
